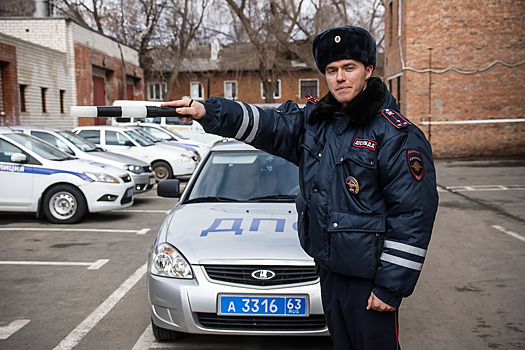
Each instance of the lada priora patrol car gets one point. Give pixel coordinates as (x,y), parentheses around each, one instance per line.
(227,259)
(37,177)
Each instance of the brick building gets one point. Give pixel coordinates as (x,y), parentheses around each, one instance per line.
(476,109)
(50,63)
(231,71)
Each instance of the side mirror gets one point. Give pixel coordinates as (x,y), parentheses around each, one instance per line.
(169,188)
(18,158)
(128,143)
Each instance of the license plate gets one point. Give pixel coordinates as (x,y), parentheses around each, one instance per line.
(152,180)
(129,192)
(263,305)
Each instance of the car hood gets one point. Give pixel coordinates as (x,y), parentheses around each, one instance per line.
(116,159)
(215,232)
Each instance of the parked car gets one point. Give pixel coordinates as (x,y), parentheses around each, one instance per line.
(75,145)
(37,177)
(166,161)
(227,259)
(164,133)
(142,132)
(189,129)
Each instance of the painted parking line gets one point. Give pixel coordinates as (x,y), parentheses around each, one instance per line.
(162,211)
(91,321)
(510,233)
(138,232)
(10,329)
(472,188)
(91,265)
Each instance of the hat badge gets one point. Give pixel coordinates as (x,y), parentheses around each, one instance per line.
(337,39)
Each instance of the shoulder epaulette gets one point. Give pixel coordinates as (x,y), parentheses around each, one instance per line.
(311,99)
(395,118)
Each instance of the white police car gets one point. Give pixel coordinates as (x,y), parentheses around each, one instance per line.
(227,259)
(37,177)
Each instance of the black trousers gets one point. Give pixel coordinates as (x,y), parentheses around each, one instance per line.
(351,325)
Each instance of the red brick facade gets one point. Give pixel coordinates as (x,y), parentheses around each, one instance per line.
(9,88)
(110,68)
(471,113)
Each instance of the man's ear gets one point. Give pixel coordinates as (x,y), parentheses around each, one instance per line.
(369,70)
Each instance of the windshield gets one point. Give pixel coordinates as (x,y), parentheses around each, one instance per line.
(246,176)
(41,148)
(138,138)
(79,141)
(147,135)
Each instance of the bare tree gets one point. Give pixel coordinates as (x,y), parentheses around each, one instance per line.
(90,13)
(183,21)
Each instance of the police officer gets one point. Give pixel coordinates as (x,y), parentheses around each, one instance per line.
(368,194)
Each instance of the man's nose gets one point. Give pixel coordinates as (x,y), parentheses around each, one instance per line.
(340,75)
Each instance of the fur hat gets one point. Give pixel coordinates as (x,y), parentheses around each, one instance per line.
(342,43)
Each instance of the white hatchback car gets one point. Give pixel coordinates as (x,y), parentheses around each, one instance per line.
(37,177)
(75,145)
(166,161)
(227,259)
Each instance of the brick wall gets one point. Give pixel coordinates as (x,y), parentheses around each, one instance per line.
(468,35)
(248,86)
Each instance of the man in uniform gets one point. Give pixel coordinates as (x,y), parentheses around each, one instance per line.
(368,194)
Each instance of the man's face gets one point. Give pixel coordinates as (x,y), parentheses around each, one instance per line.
(346,79)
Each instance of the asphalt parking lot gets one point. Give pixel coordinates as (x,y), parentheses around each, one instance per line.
(83,286)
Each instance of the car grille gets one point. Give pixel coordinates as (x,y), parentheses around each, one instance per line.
(243,274)
(261,323)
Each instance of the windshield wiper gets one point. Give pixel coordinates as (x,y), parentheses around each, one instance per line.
(273,197)
(210,199)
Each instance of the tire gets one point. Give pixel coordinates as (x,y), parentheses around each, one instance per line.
(162,170)
(64,204)
(162,334)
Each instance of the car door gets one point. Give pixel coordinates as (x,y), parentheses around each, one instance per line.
(16,180)
(118,142)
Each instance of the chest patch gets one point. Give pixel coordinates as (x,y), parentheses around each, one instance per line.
(415,163)
(352,185)
(364,143)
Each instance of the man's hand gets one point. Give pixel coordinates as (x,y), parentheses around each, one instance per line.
(374,303)
(195,111)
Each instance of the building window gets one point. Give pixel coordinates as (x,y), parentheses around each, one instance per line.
(230,90)
(196,91)
(390,31)
(309,87)
(43,94)
(62,97)
(156,91)
(276,92)
(23,106)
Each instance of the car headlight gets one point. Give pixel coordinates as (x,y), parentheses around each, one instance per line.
(168,262)
(101,177)
(185,158)
(133,168)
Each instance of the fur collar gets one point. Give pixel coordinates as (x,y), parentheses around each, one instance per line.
(360,111)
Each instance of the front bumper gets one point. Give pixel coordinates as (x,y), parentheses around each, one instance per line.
(143,182)
(121,194)
(190,306)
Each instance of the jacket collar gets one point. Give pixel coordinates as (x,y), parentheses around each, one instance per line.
(360,111)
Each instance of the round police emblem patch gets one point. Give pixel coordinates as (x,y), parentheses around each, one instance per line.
(415,163)
(352,185)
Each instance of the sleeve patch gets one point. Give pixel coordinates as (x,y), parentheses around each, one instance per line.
(395,118)
(415,163)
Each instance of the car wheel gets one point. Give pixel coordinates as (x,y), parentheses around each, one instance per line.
(64,204)
(162,170)
(163,334)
